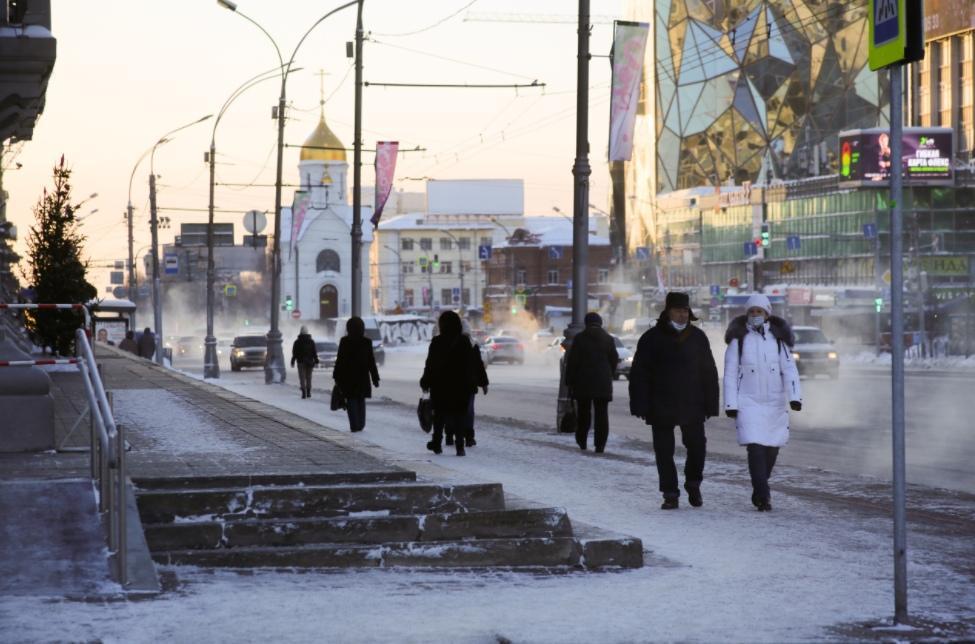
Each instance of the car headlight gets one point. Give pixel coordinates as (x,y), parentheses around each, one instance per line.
(238,352)
(795,356)
(832,355)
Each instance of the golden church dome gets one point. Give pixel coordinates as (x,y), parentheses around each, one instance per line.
(322,137)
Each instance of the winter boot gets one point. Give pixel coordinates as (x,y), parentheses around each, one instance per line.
(670,503)
(581,440)
(434,447)
(755,500)
(459,444)
(471,442)
(694,494)
(765,506)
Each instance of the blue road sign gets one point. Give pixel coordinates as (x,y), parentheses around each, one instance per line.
(793,242)
(642,253)
(715,290)
(484,252)
(171,263)
(455,295)
(750,249)
(870,230)
(555,252)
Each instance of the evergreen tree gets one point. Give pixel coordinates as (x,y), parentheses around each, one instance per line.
(54,254)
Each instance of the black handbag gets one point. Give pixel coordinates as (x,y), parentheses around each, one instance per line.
(338,399)
(424,413)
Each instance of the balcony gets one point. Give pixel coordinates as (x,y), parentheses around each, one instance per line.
(27,53)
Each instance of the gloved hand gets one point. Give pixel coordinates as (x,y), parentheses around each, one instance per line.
(795,405)
(731,413)
(375,383)
(484,389)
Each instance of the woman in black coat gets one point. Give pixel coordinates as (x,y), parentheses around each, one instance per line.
(355,365)
(589,370)
(303,353)
(450,375)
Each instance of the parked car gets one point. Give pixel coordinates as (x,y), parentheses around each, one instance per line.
(247,351)
(814,353)
(626,359)
(503,347)
(327,350)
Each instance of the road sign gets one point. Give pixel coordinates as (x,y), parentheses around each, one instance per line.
(484,252)
(886,277)
(733,282)
(455,295)
(793,242)
(715,290)
(642,253)
(116,277)
(120,292)
(750,248)
(555,252)
(296,315)
(230,290)
(870,230)
(171,263)
(896,32)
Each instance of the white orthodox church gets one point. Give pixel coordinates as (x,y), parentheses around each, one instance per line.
(316,246)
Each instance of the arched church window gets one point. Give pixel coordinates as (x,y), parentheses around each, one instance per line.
(328,260)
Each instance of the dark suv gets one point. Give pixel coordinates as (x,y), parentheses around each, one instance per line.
(247,351)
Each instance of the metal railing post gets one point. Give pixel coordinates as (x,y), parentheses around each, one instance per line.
(122,540)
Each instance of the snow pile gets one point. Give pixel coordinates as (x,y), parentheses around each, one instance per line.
(870,358)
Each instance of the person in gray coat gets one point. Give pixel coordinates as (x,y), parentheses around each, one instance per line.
(589,369)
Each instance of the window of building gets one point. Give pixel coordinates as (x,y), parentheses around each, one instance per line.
(328,260)
(446,267)
(521,276)
(406,243)
(407,267)
(427,296)
(426,243)
(464,243)
(945,83)
(446,298)
(553,276)
(602,276)
(446,243)
(408,297)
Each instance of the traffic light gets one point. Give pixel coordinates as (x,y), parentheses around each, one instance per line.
(436,263)
(878,304)
(8,231)
(289,303)
(766,235)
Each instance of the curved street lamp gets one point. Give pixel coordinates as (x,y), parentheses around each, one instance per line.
(211,363)
(274,365)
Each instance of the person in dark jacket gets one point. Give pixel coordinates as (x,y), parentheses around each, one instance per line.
(589,370)
(355,365)
(129,344)
(450,375)
(303,352)
(147,344)
(674,381)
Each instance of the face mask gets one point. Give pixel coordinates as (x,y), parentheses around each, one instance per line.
(679,327)
(756,321)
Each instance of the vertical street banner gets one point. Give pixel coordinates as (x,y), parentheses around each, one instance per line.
(629,46)
(298,211)
(385,170)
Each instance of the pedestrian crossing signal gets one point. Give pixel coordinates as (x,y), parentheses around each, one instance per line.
(289,304)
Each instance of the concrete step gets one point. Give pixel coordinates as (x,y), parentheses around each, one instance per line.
(268,480)
(362,530)
(487,553)
(164,506)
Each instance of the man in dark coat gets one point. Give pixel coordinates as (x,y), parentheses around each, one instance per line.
(129,344)
(355,366)
(674,381)
(303,353)
(450,375)
(589,370)
(147,344)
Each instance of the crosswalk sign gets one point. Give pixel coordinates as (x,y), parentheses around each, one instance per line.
(484,252)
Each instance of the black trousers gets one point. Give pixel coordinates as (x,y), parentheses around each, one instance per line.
(761,460)
(584,407)
(304,377)
(663,449)
(451,423)
(356,409)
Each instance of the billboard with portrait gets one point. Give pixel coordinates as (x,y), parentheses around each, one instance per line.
(926,155)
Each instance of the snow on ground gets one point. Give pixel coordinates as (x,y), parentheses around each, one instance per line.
(174,426)
(870,358)
(719,573)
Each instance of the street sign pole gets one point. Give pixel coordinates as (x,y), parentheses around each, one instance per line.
(897,345)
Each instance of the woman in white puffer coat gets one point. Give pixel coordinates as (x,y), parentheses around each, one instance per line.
(760,378)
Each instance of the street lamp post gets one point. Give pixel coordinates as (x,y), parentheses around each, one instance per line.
(460,268)
(211,363)
(399,273)
(154,230)
(274,367)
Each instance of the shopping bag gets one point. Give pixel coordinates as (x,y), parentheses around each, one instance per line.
(424,413)
(338,399)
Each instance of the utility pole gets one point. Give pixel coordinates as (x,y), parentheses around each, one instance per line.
(132,285)
(211,364)
(156,297)
(357,174)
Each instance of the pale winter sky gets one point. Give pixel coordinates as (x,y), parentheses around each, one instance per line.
(128,71)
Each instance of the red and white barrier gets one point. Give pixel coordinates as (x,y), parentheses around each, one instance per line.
(43,361)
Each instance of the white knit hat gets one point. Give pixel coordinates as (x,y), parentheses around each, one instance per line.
(304,330)
(761,301)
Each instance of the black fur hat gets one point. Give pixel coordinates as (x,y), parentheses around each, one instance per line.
(678,300)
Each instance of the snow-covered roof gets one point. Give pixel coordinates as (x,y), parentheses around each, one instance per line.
(422,221)
(554,231)
(476,196)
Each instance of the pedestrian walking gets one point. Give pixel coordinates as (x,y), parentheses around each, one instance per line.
(760,378)
(147,344)
(303,353)
(674,382)
(128,343)
(450,375)
(589,369)
(355,367)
